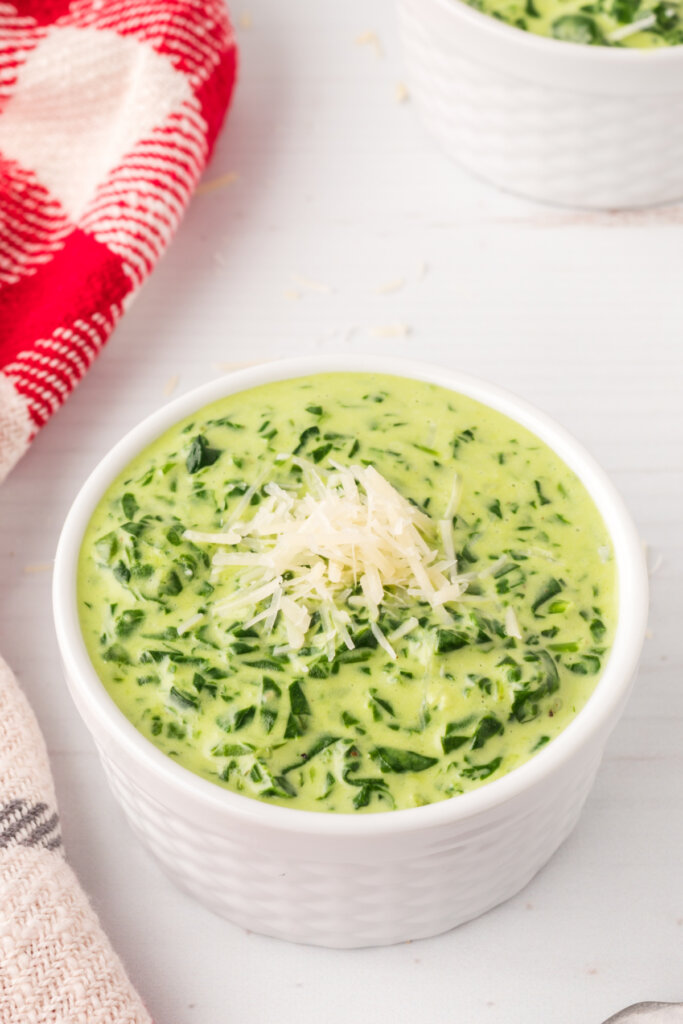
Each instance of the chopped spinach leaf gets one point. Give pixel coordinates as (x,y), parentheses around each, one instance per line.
(393,759)
(129,505)
(549,589)
(128,621)
(488,726)
(201,454)
(183,698)
(482,771)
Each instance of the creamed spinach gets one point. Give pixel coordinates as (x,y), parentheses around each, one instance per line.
(475,689)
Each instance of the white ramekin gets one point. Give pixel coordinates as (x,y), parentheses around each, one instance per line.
(345,880)
(578,125)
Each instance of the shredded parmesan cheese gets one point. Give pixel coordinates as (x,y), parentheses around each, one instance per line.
(493,568)
(511,623)
(345,543)
(370,39)
(390,331)
(392,286)
(406,627)
(454,500)
(630,30)
(217,183)
(382,640)
(199,537)
(189,623)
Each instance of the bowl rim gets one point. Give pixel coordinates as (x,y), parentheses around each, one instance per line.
(534,43)
(595,719)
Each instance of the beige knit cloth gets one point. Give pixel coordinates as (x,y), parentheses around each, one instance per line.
(56,964)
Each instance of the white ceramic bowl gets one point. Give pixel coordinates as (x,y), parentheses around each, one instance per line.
(586,126)
(345,880)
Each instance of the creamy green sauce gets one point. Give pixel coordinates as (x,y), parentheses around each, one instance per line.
(463,702)
(642,24)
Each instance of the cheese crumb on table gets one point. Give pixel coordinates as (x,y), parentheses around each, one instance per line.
(307,284)
(392,286)
(397,330)
(370,39)
(217,183)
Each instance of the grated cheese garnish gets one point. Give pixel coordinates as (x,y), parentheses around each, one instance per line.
(630,30)
(189,623)
(406,627)
(511,623)
(349,542)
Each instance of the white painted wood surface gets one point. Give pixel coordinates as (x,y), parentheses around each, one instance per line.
(581,314)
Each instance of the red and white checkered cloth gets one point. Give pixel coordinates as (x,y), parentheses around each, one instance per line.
(108,113)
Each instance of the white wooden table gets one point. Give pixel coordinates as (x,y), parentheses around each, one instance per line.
(345,229)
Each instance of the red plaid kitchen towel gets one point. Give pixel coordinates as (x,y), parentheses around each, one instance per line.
(108,113)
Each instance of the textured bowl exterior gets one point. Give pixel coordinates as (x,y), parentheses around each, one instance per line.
(358,893)
(352,880)
(559,122)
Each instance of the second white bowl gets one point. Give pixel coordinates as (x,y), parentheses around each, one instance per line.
(565,123)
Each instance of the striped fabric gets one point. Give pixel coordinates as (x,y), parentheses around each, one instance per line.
(109,110)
